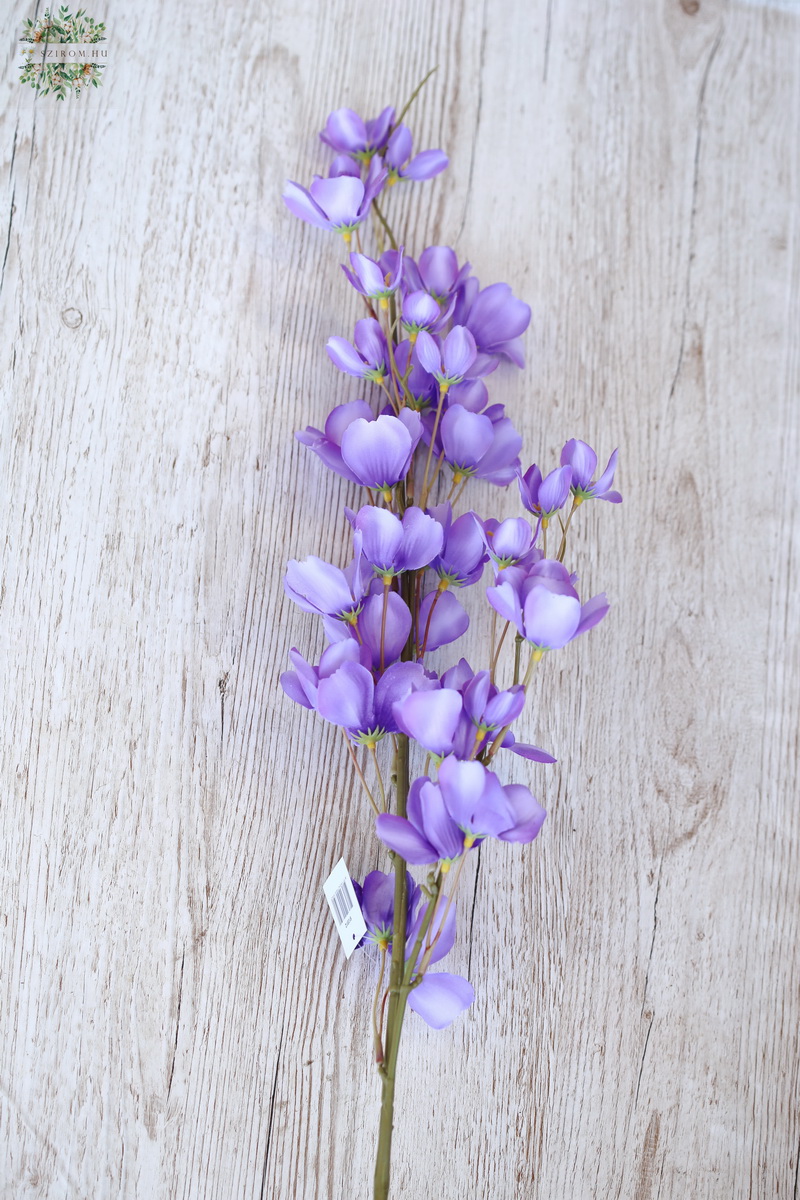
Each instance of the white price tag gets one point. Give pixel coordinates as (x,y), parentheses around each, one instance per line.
(338,889)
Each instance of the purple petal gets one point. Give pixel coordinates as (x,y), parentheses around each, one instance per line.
(438,267)
(422,540)
(382,535)
(378,452)
(458,352)
(466,436)
(505,601)
(430,718)
(607,478)
(554,490)
(345,130)
(437,825)
(583,460)
(505,707)
(379,126)
(551,617)
(300,203)
(398,148)
(377,900)
(396,683)
(317,586)
(343,356)
(428,353)
(462,785)
(370,341)
(338,198)
(400,835)
(294,689)
(448,622)
(345,698)
(592,613)
(524,750)
(426,165)
(527,812)
(398,627)
(440,998)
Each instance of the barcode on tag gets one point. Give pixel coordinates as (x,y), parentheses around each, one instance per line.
(338,889)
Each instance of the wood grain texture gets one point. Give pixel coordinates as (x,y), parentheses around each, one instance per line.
(178,1020)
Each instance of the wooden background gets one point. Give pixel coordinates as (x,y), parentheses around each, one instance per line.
(177,1017)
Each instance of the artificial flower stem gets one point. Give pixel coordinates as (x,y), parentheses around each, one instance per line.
(443,390)
(397,998)
(376,1031)
(384,223)
(499,647)
(360,774)
(498,741)
(374,754)
(562,548)
(518,639)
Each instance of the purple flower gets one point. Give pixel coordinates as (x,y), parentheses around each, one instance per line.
(421,311)
(510,542)
(346,132)
(431,717)
(440,998)
(474,445)
(495,318)
(350,697)
(340,203)
(466,805)
(442,620)
(450,362)
(583,461)
(463,552)
(544,497)
(327,443)
(486,709)
(377,280)
(302,683)
(378,453)
(368,359)
(429,834)
(436,271)
(380,641)
(544,606)
(421,389)
(400,163)
(482,807)
(318,587)
(376,900)
(392,545)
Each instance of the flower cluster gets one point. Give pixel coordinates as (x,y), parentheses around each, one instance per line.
(419,429)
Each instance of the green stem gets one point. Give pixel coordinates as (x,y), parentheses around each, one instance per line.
(414,95)
(397,994)
(384,223)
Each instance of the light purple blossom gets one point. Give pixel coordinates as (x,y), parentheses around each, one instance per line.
(392,545)
(495,318)
(347,133)
(544,497)
(350,697)
(368,359)
(376,901)
(318,587)
(510,543)
(475,445)
(378,453)
(583,461)
(302,683)
(436,271)
(463,551)
(544,606)
(376,280)
(340,203)
(401,165)
(449,362)
(327,443)
(442,618)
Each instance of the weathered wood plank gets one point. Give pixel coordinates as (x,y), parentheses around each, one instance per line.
(177,1019)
